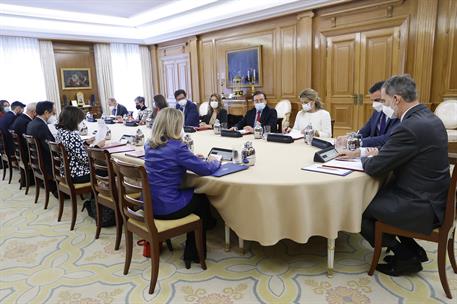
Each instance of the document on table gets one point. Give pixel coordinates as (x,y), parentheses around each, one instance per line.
(321,169)
(101,133)
(295,134)
(351,164)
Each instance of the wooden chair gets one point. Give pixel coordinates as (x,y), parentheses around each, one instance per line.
(7,160)
(59,158)
(104,189)
(443,235)
(132,184)
(38,168)
(21,154)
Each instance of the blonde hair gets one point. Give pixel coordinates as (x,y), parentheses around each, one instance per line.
(167,125)
(310,94)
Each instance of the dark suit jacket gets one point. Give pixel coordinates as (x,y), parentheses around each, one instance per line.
(191,117)
(268,117)
(121,110)
(416,152)
(221,116)
(371,136)
(20,127)
(6,123)
(40,130)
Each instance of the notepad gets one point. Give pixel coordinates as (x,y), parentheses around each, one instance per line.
(136,154)
(295,134)
(119,149)
(351,164)
(327,170)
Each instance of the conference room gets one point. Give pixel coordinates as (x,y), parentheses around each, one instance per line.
(215,151)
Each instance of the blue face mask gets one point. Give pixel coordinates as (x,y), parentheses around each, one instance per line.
(260,106)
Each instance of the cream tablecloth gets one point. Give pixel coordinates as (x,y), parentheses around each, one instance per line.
(275,199)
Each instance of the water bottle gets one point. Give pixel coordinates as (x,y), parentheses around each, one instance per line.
(138,139)
(309,134)
(354,141)
(108,134)
(258,131)
(83,131)
(248,154)
(217,127)
(189,142)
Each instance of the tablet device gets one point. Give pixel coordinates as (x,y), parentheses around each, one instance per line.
(225,153)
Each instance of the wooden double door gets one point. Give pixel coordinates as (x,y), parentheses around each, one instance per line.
(175,75)
(354,62)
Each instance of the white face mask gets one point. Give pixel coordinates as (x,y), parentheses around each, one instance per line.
(306,107)
(260,106)
(390,113)
(377,106)
(182,102)
(7,109)
(214,104)
(52,120)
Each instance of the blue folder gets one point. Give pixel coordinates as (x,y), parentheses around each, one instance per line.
(229,168)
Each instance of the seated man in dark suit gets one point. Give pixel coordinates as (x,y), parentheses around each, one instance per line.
(261,113)
(415,198)
(20,127)
(116,109)
(191,117)
(39,129)
(6,122)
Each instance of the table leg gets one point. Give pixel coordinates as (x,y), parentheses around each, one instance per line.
(227,238)
(330,256)
(241,245)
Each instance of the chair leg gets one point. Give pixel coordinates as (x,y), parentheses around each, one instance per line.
(200,246)
(37,190)
(119,223)
(128,249)
(46,197)
(98,219)
(4,169)
(10,165)
(20,178)
(377,249)
(61,201)
(442,245)
(27,182)
(450,251)
(155,254)
(74,211)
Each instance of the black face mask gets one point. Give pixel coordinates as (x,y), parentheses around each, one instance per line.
(138,107)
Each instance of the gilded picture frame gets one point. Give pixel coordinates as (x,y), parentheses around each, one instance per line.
(75,78)
(244,66)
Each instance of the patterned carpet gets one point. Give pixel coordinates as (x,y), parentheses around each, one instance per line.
(41,261)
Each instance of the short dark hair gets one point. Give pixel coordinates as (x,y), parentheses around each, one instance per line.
(376,87)
(17,104)
(69,118)
(44,106)
(403,85)
(2,102)
(160,101)
(140,99)
(258,93)
(179,92)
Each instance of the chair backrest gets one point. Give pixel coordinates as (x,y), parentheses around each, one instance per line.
(19,149)
(35,156)
(2,144)
(203,109)
(59,158)
(450,216)
(132,185)
(447,112)
(283,107)
(102,173)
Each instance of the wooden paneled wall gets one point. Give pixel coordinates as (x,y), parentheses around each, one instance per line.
(76,55)
(418,37)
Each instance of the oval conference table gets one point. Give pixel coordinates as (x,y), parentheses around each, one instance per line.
(274,199)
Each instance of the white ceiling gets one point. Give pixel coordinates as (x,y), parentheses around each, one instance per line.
(137,21)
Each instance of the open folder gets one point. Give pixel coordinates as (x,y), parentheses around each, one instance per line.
(229,168)
(350,164)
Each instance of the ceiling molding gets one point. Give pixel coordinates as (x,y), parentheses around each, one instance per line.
(164,23)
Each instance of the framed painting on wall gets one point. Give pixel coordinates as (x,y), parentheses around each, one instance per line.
(244,66)
(75,78)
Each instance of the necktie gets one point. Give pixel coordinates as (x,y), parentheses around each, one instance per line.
(114,111)
(257,118)
(382,124)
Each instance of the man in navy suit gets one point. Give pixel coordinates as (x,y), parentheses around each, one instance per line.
(261,113)
(116,109)
(191,117)
(379,127)
(6,122)
(39,129)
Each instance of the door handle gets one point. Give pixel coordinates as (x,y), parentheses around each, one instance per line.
(356,99)
(360,99)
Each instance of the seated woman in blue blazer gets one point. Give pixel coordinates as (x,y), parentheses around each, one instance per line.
(215,111)
(167,159)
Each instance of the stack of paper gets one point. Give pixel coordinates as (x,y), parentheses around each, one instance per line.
(322,169)
(351,164)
